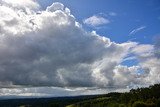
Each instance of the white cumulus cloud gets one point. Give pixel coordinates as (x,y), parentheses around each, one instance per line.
(96,21)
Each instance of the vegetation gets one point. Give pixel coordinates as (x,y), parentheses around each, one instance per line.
(141,97)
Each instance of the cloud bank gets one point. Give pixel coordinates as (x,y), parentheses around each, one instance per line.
(50,48)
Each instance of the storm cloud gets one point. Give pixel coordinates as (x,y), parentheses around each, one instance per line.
(50,48)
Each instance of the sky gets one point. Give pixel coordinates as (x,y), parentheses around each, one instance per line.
(124,17)
(68,47)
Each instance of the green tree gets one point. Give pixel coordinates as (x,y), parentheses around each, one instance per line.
(139,104)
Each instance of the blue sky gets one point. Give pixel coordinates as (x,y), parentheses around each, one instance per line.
(130,15)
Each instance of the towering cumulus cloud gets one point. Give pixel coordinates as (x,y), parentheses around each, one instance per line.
(50,48)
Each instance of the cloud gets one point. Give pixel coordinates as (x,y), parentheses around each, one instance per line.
(143,49)
(20,4)
(137,30)
(6,93)
(34,92)
(149,64)
(125,76)
(55,6)
(96,21)
(157,47)
(49,48)
(112,14)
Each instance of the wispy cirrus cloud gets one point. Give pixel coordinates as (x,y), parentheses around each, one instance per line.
(134,31)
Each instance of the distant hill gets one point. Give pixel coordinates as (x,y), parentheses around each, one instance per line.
(141,97)
(45,102)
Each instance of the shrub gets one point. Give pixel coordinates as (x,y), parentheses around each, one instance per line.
(139,104)
(122,105)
